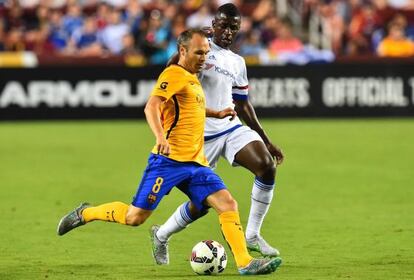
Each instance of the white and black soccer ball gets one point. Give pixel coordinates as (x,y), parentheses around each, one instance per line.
(208,258)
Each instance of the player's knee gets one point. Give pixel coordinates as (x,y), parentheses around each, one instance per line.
(222,201)
(230,204)
(135,219)
(194,212)
(266,167)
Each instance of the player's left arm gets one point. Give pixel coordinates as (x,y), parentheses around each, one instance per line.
(247,113)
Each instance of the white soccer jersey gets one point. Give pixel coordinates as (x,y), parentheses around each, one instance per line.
(223,76)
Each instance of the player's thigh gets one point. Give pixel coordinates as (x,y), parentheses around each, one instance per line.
(203,183)
(256,158)
(160,176)
(213,149)
(244,145)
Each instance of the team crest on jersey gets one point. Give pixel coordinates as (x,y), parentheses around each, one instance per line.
(200,99)
(151,198)
(212,57)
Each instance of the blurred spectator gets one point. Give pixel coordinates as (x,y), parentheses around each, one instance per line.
(57,36)
(178,26)
(73,19)
(42,16)
(85,41)
(402,21)
(14,16)
(246,27)
(202,17)
(14,41)
(285,41)
(396,44)
(42,43)
(2,35)
(133,15)
(103,12)
(398,19)
(111,36)
(264,9)
(128,45)
(362,25)
(251,45)
(154,40)
(326,25)
(268,29)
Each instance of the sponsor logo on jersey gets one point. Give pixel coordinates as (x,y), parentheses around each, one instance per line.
(219,70)
(163,85)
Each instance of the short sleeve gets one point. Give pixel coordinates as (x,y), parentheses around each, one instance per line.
(168,84)
(241,84)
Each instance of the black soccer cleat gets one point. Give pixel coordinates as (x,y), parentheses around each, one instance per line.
(72,220)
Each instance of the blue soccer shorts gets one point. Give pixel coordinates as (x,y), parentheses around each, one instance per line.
(162,174)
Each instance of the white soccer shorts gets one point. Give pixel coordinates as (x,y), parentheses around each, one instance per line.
(228,145)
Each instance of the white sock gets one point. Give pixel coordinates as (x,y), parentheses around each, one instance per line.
(262,195)
(175,223)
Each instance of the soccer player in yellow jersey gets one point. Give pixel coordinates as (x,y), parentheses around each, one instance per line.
(176,114)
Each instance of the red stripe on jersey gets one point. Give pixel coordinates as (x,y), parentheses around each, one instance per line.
(244,87)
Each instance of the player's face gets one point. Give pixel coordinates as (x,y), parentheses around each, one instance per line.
(195,55)
(225,30)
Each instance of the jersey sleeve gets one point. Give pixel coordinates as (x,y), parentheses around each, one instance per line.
(168,84)
(241,84)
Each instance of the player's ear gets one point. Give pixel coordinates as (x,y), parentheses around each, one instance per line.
(183,51)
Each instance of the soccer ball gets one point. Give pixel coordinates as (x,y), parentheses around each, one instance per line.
(208,258)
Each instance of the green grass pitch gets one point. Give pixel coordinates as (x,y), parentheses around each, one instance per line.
(343,209)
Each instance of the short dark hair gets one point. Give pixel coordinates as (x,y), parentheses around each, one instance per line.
(186,36)
(229,10)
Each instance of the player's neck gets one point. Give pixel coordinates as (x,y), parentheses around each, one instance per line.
(215,41)
(182,65)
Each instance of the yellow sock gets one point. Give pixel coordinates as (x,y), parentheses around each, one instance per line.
(109,212)
(234,235)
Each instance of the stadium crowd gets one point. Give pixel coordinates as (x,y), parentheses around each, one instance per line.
(297,31)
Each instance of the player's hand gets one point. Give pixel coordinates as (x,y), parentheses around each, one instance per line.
(228,112)
(276,152)
(163,147)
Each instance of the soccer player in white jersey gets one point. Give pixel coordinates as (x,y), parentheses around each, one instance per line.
(225,84)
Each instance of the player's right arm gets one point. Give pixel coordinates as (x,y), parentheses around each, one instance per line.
(153,115)
(228,112)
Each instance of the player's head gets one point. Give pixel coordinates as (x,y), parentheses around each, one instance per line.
(192,46)
(226,25)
